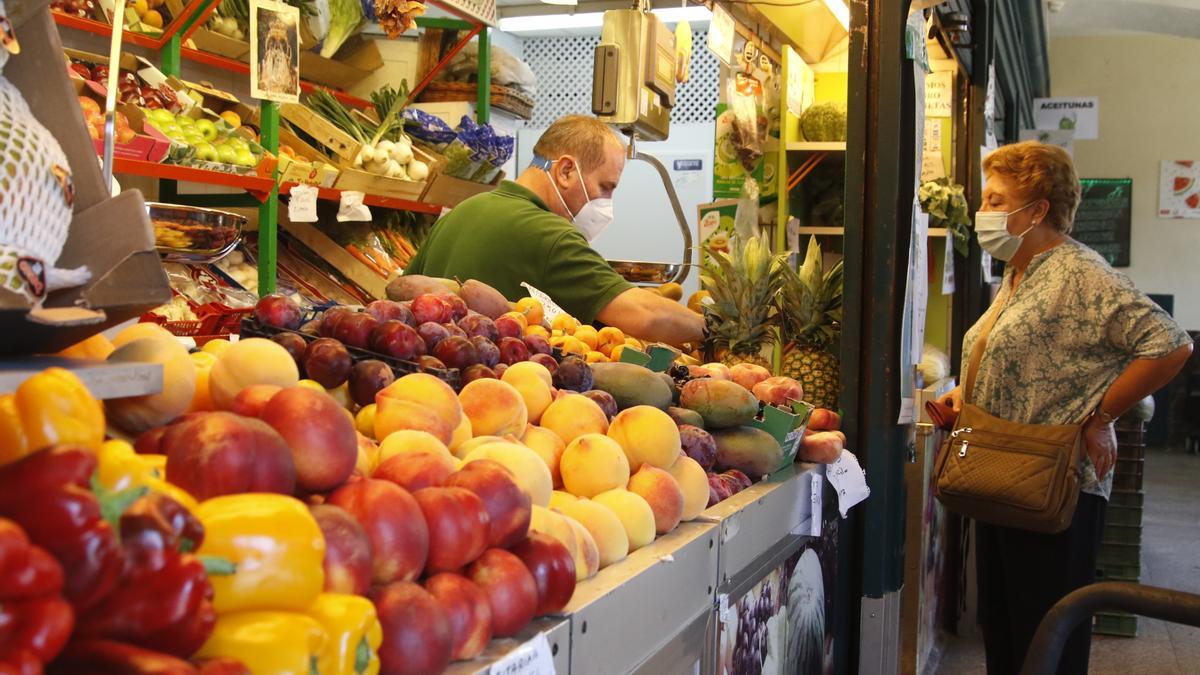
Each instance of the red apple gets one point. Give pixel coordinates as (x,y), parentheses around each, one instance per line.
(553,570)
(458,527)
(456,352)
(354,330)
(416,631)
(347,551)
(513,350)
(394,524)
(510,587)
(430,308)
(432,333)
(321,435)
(327,361)
(219,453)
(279,311)
(294,344)
(250,401)
(509,508)
(150,442)
(397,340)
(467,608)
(416,470)
(331,318)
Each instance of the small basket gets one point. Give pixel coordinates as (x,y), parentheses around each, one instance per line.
(504,98)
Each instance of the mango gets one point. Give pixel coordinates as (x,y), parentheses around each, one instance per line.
(750,450)
(632,385)
(684,416)
(722,404)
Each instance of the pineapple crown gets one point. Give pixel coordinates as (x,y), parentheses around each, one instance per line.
(742,286)
(810,301)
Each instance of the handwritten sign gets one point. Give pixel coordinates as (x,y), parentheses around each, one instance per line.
(939,94)
(720,34)
(1081,113)
(531,658)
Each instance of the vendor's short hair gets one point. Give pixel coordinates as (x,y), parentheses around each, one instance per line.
(580,136)
(1040,171)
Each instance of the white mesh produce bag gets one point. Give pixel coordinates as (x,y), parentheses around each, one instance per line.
(36,199)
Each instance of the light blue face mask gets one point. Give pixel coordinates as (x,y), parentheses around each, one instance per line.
(596,214)
(991,228)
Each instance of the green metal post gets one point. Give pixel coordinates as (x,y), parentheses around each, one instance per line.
(268,213)
(483,108)
(443,22)
(170,57)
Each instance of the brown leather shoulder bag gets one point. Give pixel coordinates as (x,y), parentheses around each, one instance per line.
(1024,476)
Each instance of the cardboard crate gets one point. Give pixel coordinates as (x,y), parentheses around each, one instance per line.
(222,45)
(310,166)
(379,186)
(338,257)
(449,191)
(149,145)
(324,132)
(355,60)
(111,235)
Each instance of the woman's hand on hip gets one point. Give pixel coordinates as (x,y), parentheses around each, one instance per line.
(1100,444)
(953,398)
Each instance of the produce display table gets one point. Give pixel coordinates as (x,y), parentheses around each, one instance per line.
(103,380)
(558,634)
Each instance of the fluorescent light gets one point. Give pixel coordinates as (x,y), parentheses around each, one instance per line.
(693,14)
(557,22)
(840,11)
(569,3)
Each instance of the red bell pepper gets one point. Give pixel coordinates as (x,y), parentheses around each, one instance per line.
(163,600)
(106,657)
(47,494)
(35,622)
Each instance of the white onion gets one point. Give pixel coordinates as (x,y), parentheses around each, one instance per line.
(418,170)
(402,153)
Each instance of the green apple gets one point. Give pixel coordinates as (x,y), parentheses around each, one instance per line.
(207,129)
(206,152)
(184,121)
(192,137)
(239,142)
(226,153)
(245,158)
(163,116)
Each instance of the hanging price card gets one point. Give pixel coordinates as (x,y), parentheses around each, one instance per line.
(531,658)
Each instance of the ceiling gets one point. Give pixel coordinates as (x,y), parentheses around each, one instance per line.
(1108,17)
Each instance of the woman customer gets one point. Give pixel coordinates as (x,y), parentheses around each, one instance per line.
(1073,340)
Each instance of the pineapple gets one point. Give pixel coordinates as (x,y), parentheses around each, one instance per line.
(810,316)
(742,288)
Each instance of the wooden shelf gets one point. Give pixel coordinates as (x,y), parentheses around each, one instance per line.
(817,147)
(255,184)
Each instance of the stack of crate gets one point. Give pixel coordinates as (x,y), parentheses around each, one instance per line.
(1121,547)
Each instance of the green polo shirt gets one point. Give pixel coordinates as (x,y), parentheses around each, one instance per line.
(509,236)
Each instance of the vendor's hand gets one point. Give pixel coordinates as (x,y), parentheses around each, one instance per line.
(1100,444)
(953,399)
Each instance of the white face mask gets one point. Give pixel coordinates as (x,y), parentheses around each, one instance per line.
(596,214)
(991,227)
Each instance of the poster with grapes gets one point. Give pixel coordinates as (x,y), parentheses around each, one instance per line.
(784,625)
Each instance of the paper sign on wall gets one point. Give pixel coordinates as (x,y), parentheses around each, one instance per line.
(720,34)
(1179,189)
(800,82)
(1081,114)
(274,51)
(939,94)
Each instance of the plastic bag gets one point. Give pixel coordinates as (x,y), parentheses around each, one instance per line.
(428,128)
(745,221)
(745,94)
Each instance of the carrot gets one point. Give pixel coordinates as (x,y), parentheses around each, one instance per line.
(380,255)
(366,260)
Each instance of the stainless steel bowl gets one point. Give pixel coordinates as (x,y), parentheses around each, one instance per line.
(640,272)
(190,234)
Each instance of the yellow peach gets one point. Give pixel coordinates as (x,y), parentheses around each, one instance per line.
(648,436)
(534,382)
(146,330)
(606,529)
(692,480)
(609,337)
(662,493)
(588,336)
(418,401)
(559,499)
(565,322)
(364,421)
(548,446)
(587,558)
(553,523)
(595,357)
(526,466)
(462,433)
(250,361)
(311,384)
(592,464)
(495,407)
(410,440)
(573,415)
(633,512)
(532,309)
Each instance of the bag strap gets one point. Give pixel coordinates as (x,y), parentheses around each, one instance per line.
(978,349)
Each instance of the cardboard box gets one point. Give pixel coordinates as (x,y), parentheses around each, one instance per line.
(310,166)
(356,59)
(449,191)
(222,45)
(111,235)
(149,144)
(324,132)
(380,186)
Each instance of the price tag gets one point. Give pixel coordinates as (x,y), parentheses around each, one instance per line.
(849,480)
(351,207)
(302,206)
(818,517)
(720,34)
(549,309)
(531,658)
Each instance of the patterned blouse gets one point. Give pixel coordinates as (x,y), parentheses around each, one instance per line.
(1071,327)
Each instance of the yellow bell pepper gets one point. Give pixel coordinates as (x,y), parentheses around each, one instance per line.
(50,408)
(268,643)
(263,551)
(352,632)
(119,468)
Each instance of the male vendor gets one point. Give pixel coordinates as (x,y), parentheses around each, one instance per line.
(536,230)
